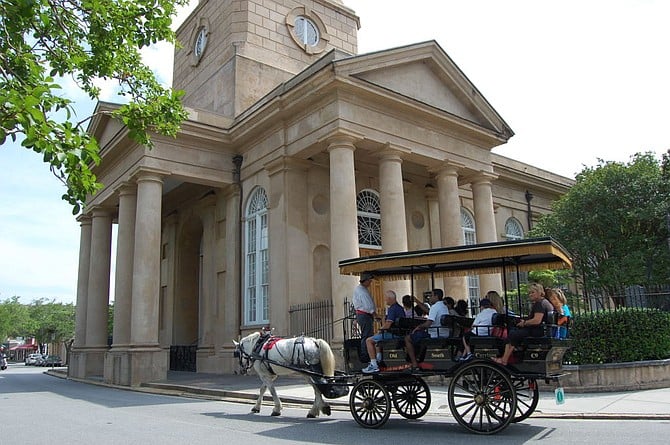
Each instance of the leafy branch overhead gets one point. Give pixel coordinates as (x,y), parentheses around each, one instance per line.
(615,221)
(44,43)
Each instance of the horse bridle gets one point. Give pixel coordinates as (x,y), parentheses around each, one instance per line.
(245,360)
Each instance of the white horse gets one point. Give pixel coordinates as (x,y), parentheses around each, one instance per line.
(302,352)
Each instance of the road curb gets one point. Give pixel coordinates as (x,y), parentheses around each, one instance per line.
(197,392)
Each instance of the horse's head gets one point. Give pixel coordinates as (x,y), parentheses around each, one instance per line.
(243,350)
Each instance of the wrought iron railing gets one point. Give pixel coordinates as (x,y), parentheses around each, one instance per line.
(314,319)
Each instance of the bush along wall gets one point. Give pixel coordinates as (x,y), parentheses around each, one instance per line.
(626,335)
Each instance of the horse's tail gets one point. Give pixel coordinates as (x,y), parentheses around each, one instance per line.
(327,358)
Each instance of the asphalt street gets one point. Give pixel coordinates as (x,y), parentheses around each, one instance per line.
(36,408)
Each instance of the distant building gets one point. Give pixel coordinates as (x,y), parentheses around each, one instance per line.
(298,153)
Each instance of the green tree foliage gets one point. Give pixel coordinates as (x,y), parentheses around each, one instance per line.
(51,322)
(620,336)
(45,40)
(613,221)
(47,321)
(14,319)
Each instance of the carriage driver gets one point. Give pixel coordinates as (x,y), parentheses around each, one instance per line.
(393,313)
(364,306)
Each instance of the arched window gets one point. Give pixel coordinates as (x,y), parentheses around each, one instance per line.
(257,264)
(369,220)
(469,238)
(468,226)
(513,229)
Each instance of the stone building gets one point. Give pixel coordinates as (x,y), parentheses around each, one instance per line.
(298,153)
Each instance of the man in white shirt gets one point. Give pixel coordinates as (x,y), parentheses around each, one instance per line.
(430,327)
(364,306)
(482,325)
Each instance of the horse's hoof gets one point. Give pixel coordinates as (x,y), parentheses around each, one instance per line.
(311,416)
(275,414)
(255,410)
(326,410)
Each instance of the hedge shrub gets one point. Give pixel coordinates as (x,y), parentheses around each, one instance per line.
(626,335)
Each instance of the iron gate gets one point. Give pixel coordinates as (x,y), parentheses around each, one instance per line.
(182,358)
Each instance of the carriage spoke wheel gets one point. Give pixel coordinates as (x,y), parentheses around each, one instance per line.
(482,398)
(370,404)
(412,399)
(527,396)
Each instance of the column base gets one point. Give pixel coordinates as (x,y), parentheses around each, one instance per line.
(147,365)
(117,366)
(87,362)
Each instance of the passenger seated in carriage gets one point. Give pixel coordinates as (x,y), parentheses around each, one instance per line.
(461,308)
(480,327)
(560,303)
(429,328)
(532,326)
(418,310)
(393,313)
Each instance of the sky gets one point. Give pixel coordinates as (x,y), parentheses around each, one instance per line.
(577,81)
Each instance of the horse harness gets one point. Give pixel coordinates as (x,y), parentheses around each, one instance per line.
(263,346)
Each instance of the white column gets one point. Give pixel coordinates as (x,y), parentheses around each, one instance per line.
(392,197)
(451,231)
(393,214)
(82,281)
(125,248)
(146,262)
(343,221)
(486,225)
(433,217)
(98,279)
(230,298)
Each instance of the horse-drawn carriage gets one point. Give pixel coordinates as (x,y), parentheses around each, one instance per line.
(483,396)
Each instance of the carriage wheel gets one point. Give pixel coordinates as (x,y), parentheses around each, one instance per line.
(370,404)
(412,400)
(482,398)
(527,396)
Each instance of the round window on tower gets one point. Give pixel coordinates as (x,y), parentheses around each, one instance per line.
(307,30)
(199,39)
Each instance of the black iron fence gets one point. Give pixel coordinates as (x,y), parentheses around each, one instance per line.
(313,319)
(648,297)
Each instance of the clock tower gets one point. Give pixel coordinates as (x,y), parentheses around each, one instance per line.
(233,52)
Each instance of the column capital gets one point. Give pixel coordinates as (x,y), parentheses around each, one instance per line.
(141,174)
(100,211)
(483,177)
(84,219)
(127,188)
(447,168)
(390,155)
(340,138)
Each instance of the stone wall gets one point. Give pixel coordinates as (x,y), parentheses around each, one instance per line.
(612,377)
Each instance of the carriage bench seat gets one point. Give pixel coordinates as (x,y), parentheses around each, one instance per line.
(487,346)
(438,353)
(541,355)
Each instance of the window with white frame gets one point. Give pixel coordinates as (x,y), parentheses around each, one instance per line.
(369,220)
(257,264)
(469,238)
(513,229)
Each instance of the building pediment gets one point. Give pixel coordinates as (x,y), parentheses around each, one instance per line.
(424,73)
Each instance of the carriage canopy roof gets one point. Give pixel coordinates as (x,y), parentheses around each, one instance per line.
(504,256)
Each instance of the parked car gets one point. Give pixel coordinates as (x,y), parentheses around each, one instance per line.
(32,359)
(52,360)
(40,360)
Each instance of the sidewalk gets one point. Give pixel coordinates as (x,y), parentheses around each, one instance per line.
(649,404)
